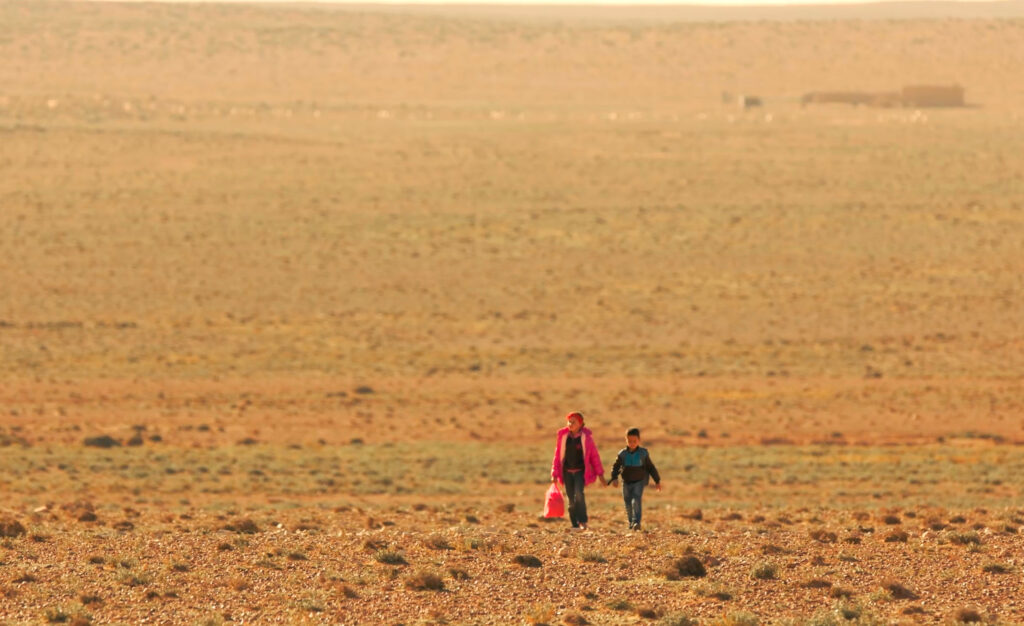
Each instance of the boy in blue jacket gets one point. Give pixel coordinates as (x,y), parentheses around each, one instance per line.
(637,469)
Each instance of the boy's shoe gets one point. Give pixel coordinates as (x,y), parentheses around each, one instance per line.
(636,527)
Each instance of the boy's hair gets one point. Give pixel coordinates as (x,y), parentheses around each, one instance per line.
(633,432)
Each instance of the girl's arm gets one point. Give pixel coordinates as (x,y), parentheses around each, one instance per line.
(555,474)
(595,459)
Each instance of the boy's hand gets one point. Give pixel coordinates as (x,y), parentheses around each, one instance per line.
(657,486)
(614,483)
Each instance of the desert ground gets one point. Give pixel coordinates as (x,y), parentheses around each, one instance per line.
(294,298)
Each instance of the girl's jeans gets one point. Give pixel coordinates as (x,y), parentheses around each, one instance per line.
(633,494)
(574,492)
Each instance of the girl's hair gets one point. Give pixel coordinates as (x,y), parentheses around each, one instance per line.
(574,414)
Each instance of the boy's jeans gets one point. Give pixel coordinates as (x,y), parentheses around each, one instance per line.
(633,494)
(574,492)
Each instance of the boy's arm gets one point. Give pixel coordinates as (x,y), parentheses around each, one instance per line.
(653,471)
(616,468)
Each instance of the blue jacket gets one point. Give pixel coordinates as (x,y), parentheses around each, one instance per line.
(635,465)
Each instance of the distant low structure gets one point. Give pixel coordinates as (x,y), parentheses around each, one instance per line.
(932,96)
(840,97)
(743,101)
(748,102)
(910,96)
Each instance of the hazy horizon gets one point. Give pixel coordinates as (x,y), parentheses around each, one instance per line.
(557,3)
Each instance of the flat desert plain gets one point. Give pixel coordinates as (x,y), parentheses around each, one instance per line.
(294,298)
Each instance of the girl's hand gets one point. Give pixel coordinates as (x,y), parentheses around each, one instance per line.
(657,487)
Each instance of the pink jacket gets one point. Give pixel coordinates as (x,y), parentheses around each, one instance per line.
(592,467)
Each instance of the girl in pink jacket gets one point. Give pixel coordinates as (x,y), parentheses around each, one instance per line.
(576,464)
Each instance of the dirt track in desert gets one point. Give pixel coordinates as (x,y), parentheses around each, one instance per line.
(335,275)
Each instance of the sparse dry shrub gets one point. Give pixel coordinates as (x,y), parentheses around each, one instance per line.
(527,560)
(694,514)
(101,441)
(677,619)
(764,571)
(574,619)
(958,519)
(770,549)
(897,536)
(390,557)
(891,520)
(996,568)
(311,602)
(133,579)
(846,610)
(689,567)
(816,583)
(592,557)
(97,559)
(969,537)
(437,542)
(712,590)
(458,573)
(348,592)
(88,599)
(238,583)
(620,605)
(898,591)
(936,524)
(10,527)
(374,545)
(967,616)
(649,612)
(24,576)
(840,593)
(424,581)
(737,618)
(242,525)
(913,609)
(824,536)
(57,615)
(540,614)
(506,508)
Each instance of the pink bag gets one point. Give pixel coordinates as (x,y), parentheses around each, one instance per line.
(554,506)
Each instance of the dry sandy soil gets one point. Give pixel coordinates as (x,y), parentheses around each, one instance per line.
(341,272)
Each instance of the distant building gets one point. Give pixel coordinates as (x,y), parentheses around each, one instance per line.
(932,96)
(916,96)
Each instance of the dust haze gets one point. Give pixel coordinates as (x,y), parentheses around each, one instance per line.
(255,245)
